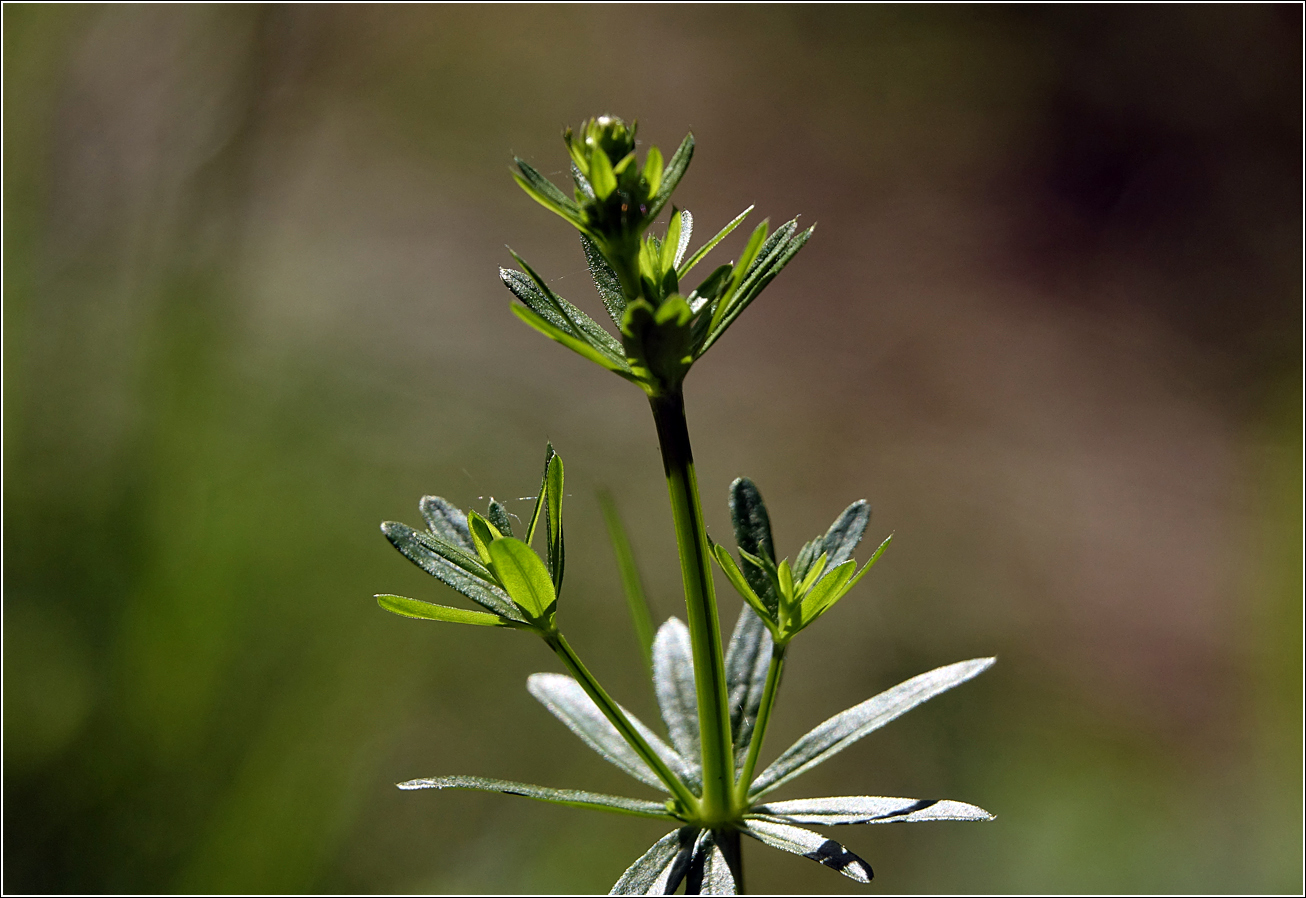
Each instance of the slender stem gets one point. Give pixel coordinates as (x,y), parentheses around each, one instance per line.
(700,603)
(612,711)
(773,673)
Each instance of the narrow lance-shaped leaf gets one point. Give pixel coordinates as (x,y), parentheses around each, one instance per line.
(746,259)
(846,532)
(540,298)
(749,292)
(855,809)
(686,231)
(631,584)
(671,175)
(752,527)
(497,514)
(653,170)
(845,728)
(709,873)
(571,797)
(540,499)
(553,522)
(828,602)
(487,595)
(546,193)
(827,591)
(683,269)
(427,611)
(673,683)
(523,575)
(580,347)
(602,178)
(808,844)
(661,869)
(483,534)
(605,280)
(747,658)
(740,583)
(671,245)
(468,561)
(446,521)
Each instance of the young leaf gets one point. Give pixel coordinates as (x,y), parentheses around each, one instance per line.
(673,683)
(523,575)
(829,590)
(671,245)
(686,231)
(741,584)
(724,316)
(708,872)
(747,659)
(845,728)
(602,178)
(631,585)
(810,845)
(575,798)
(661,869)
(447,522)
(577,346)
(483,534)
(540,499)
(683,269)
(544,192)
(567,701)
(671,176)
(741,271)
(553,522)
(813,573)
(605,280)
(846,532)
(653,170)
(427,611)
(849,809)
(487,595)
(497,515)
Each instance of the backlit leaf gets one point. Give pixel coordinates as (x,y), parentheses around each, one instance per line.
(571,797)
(426,611)
(523,575)
(810,845)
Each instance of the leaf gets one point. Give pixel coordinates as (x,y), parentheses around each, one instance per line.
(540,499)
(828,590)
(673,684)
(845,728)
(747,659)
(553,522)
(571,797)
(810,845)
(670,246)
(446,521)
(523,575)
(487,595)
(846,532)
(567,701)
(738,581)
(540,298)
(686,231)
(577,346)
(671,175)
(483,534)
(602,178)
(740,272)
(754,285)
(545,193)
(807,556)
(468,561)
(653,170)
(605,280)
(812,575)
(582,182)
(497,515)
(709,873)
(753,535)
(660,870)
(682,270)
(631,585)
(848,809)
(427,611)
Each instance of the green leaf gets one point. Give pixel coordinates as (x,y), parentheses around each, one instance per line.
(673,684)
(683,269)
(708,872)
(752,527)
(852,809)
(846,532)
(602,178)
(813,573)
(728,312)
(786,580)
(686,231)
(483,534)
(567,701)
(582,183)
(541,299)
(661,869)
(874,558)
(605,280)
(671,245)
(671,175)
(845,728)
(747,658)
(579,347)
(487,595)
(575,798)
(540,499)
(498,515)
(523,575)
(807,555)
(708,290)
(553,523)
(544,192)
(810,845)
(427,611)
(465,560)
(447,522)
(740,583)
(631,585)
(653,170)
(830,589)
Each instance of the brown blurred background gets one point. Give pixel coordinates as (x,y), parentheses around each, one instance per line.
(1050,325)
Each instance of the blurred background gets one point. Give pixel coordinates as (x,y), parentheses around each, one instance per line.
(1049,325)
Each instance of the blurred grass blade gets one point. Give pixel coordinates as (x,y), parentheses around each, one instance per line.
(605,280)
(446,521)
(851,809)
(571,797)
(846,532)
(426,611)
(487,595)
(810,845)
(845,728)
(708,872)
(673,684)
(706,248)
(523,575)
(747,658)
(631,583)
(661,869)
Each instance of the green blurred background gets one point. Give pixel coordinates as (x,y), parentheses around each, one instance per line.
(1049,325)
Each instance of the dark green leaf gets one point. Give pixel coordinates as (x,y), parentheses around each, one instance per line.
(848,809)
(747,658)
(447,522)
(660,870)
(631,584)
(671,175)
(487,595)
(541,299)
(753,535)
(523,575)
(427,611)
(575,798)
(540,499)
(726,315)
(846,532)
(553,522)
(468,561)
(708,872)
(845,728)
(576,345)
(673,683)
(810,845)
(544,186)
(605,280)
(497,515)
(683,269)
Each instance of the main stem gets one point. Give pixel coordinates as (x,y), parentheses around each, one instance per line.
(717,805)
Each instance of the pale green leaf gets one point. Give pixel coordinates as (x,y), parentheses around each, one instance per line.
(684,269)
(808,844)
(575,798)
(427,611)
(673,684)
(523,575)
(661,869)
(850,809)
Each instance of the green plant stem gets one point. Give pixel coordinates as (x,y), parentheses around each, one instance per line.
(700,603)
(612,711)
(774,671)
